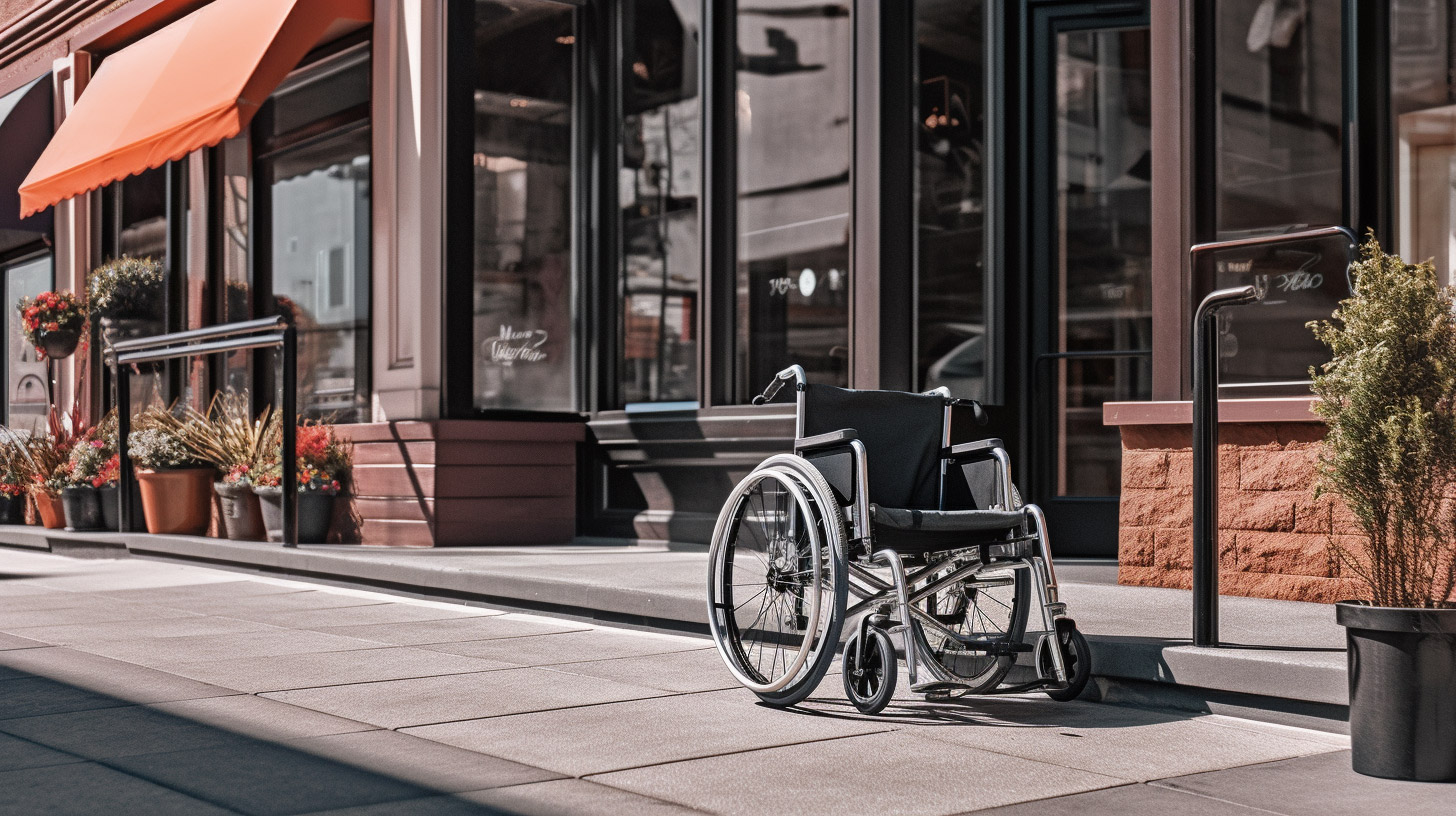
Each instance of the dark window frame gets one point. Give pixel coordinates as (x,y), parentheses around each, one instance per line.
(590,209)
(43,247)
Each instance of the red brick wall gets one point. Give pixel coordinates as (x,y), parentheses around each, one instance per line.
(1274,535)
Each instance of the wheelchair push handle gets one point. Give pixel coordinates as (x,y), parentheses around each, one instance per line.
(977,412)
(793,372)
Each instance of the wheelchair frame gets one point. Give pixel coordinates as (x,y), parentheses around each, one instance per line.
(874,596)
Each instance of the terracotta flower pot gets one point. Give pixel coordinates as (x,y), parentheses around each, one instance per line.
(12,509)
(315,511)
(241,518)
(83,508)
(176,501)
(49,510)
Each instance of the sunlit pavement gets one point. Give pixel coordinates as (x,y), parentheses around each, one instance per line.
(135,686)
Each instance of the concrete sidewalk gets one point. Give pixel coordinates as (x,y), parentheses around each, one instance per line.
(142,687)
(1282,651)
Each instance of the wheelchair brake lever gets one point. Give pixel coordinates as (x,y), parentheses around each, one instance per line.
(977,412)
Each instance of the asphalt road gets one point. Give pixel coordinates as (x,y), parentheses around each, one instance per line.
(142,687)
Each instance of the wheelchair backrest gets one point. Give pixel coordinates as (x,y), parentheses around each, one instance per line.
(902,434)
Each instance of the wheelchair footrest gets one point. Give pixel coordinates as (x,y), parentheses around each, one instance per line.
(939,687)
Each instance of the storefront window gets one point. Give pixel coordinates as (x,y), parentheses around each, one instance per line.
(794,106)
(1279,111)
(950,185)
(524,293)
(317,178)
(134,217)
(230,222)
(1423,105)
(26,391)
(659,192)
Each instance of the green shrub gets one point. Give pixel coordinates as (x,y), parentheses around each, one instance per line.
(1389,398)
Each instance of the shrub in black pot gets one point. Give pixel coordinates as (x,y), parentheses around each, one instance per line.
(1389,398)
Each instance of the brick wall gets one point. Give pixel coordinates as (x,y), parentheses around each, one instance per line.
(1274,535)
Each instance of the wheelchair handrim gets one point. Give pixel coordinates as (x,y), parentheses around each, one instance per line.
(731,512)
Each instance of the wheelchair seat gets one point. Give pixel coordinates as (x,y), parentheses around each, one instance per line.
(916,507)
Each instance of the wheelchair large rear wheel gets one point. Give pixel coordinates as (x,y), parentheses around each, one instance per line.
(977,622)
(776,583)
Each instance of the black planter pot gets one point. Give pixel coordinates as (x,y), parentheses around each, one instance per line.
(61,343)
(1402,672)
(315,512)
(83,508)
(110,507)
(12,509)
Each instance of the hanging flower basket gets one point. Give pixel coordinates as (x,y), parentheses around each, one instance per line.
(53,322)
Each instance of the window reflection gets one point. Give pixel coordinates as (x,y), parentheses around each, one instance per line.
(1423,102)
(1280,92)
(794,105)
(951,191)
(26,393)
(524,293)
(320,207)
(659,190)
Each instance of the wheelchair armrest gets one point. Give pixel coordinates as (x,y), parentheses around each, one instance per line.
(971,450)
(832,439)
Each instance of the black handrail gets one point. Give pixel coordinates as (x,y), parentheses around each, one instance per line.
(1205,458)
(269,332)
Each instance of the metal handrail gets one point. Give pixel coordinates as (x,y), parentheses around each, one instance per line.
(276,333)
(209,333)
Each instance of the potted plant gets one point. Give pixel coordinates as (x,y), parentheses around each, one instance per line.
(172,471)
(126,294)
(235,442)
(324,462)
(81,497)
(13,480)
(53,322)
(47,458)
(1389,398)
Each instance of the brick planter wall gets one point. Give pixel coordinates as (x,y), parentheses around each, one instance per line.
(463,482)
(1274,535)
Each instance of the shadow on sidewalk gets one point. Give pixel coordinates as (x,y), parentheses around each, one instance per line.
(67,749)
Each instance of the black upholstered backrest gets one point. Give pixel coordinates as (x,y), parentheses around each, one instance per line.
(902,434)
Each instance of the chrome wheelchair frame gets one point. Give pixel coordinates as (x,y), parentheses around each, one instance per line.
(901,603)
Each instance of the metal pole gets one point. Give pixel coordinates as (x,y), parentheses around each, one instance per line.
(121,377)
(289,384)
(1205,459)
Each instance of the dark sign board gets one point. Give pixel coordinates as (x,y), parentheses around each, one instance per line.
(1266,348)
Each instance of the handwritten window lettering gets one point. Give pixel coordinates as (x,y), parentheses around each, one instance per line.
(513,346)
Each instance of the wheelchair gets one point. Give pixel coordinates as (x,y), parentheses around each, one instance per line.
(931,540)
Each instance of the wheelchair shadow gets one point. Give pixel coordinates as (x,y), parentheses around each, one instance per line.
(1009,711)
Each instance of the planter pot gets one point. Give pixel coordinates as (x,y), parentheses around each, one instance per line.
(82,506)
(1402,671)
(314,513)
(12,509)
(242,520)
(60,344)
(49,510)
(110,496)
(177,501)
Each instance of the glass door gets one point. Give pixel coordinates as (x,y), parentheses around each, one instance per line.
(1091,294)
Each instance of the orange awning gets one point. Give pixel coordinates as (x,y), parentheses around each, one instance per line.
(190,85)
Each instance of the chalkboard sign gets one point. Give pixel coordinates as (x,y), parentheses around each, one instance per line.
(1265,348)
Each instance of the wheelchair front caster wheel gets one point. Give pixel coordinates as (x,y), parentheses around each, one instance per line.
(869,683)
(1076,659)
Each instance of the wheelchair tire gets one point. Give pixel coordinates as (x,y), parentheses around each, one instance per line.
(870,684)
(761,549)
(1076,658)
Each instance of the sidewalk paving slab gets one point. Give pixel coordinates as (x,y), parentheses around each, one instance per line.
(87,789)
(456,630)
(618,736)
(320,669)
(431,700)
(861,774)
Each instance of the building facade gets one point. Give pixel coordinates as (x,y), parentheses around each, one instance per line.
(543,253)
